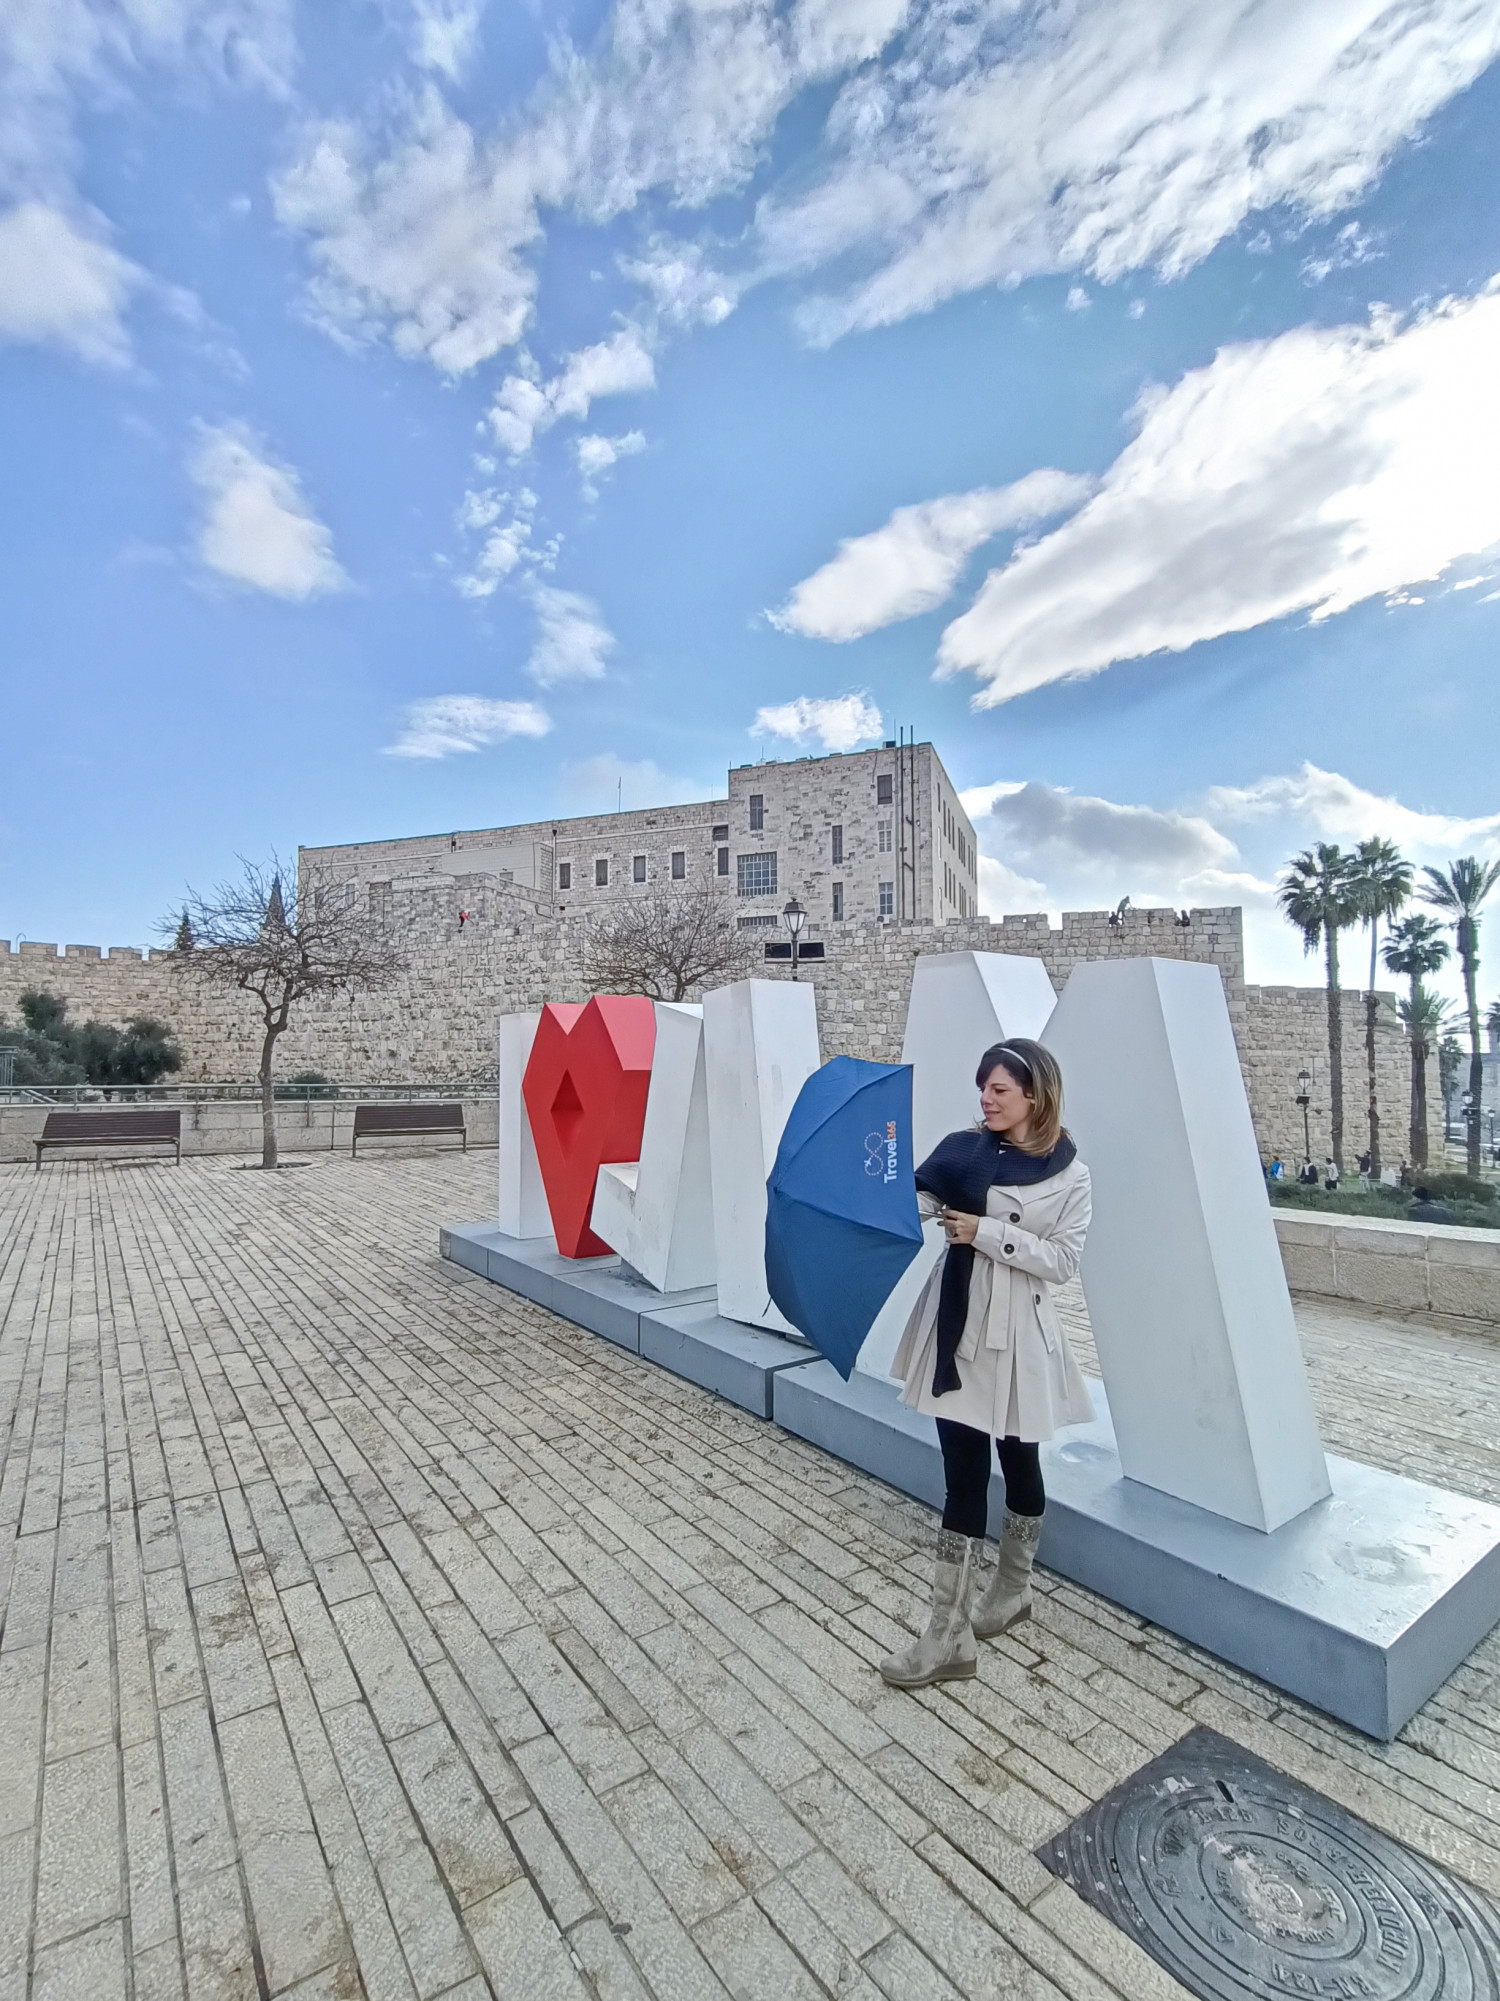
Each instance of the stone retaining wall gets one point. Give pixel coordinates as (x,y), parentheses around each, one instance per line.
(1402,1267)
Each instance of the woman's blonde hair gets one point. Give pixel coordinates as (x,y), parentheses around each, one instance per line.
(1035,1070)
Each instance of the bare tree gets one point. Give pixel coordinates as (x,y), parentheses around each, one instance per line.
(280,946)
(666,945)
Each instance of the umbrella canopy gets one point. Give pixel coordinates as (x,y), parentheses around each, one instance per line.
(841,1205)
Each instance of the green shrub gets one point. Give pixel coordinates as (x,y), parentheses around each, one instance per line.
(1448,1186)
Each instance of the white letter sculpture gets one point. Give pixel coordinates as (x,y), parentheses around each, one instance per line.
(658,1213)
(1184,1280)
(960,1003)
(760,1040)
(523,1200)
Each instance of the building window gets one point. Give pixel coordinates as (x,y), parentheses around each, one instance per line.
(350,893)
(565,875)
(838,903)
(721,833)
(838,844)
(380,903)
(601,875)
(758,874)
(638,868)
(679,865)
(884,830)
(757,812)
(723,861)
(757,923)
(887,899)
(883,794)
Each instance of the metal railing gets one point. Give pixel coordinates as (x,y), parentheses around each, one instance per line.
(306,1096)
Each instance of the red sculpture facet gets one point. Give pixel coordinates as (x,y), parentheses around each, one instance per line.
(585,1090)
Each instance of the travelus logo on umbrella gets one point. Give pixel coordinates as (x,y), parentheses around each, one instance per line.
(880,1150)
(841,1205)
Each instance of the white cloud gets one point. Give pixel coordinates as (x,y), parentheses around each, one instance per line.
(506,521)
(838,722)
(1304,473)
(1352,246)
(62,285)
(572,642)
(1107,138)
(596,454)
(445,34)
(1062,836)
(1337,809)
(257,529)
(443,725)
(619,366)
(1045,848)
(600,784)
(1078,300)
(683,287)
(61,281)
(962,150)
(913,562)
(426,240)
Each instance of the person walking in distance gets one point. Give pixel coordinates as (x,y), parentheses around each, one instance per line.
(984,1351)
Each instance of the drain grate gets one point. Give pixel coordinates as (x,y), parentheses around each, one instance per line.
(1247,1886)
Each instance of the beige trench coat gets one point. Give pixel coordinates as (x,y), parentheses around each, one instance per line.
(1017,1375)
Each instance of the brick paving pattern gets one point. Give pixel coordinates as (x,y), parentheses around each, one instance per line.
(366,1630)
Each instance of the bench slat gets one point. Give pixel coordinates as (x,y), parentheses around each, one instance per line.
(387,1121)
(158,1126)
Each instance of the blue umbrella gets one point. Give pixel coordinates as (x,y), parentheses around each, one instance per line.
(841,1205)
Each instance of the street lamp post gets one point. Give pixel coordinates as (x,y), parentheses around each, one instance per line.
(794,917)
(1302,1099)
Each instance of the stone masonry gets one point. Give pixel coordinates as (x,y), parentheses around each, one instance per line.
(437,1022)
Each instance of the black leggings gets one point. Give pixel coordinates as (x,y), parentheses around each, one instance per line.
(966,1464)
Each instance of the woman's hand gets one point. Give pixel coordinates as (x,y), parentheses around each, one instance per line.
(959,1228)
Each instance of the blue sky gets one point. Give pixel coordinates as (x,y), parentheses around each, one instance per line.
(426,414)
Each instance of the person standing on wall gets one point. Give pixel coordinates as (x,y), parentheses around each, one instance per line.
(984,1351)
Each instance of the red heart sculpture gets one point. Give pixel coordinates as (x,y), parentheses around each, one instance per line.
(585,1090)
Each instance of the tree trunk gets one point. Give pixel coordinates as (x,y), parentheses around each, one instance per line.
(1419,1104)
(1467,942)
(1370,1060)
(1335,1047)
(1417,1138)
(268,1097)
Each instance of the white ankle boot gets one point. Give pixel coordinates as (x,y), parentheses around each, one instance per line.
(946,1650)
(1006,1600)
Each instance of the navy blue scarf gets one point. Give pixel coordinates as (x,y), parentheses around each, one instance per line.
(960,1171)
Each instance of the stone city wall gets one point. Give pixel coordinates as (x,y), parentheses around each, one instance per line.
(1285,1029)
(436,1022)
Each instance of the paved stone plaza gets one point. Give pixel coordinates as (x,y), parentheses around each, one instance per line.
(367,1630)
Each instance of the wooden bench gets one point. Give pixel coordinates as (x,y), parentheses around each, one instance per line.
(135,1129)
(406,1121)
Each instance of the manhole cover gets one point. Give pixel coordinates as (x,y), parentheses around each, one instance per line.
(1247,1886)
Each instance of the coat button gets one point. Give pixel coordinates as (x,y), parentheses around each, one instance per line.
(1015,1215)
(1010,1250)
(1037,1297)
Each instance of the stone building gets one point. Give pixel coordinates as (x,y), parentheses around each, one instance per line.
(868,834)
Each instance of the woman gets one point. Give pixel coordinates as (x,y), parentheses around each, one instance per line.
(984,1351)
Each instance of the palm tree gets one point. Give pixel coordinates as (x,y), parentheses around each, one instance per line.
(1415,948)
(1317,895)
(1459,890)
(1425,1017)
(1382,883)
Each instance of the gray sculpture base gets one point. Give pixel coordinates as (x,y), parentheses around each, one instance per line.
(681,1331)
(1362,1607)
